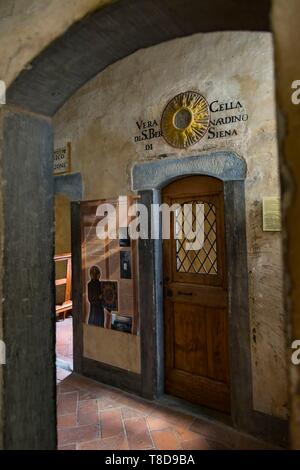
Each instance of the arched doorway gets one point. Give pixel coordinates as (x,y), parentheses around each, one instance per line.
(149,179)
(46,102)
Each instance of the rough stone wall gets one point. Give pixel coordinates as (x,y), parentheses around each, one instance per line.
(287,48)
(100,121)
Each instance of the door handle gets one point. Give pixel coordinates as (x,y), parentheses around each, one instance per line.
(185,293)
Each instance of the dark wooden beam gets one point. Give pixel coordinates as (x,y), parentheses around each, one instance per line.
(28,284)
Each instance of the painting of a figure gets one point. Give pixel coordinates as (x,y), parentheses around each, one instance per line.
(96,316)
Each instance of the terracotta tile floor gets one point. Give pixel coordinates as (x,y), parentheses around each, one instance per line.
(92,416)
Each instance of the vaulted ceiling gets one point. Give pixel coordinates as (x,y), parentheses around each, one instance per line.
(118,30)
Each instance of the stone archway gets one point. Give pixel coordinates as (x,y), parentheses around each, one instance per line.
(27,150)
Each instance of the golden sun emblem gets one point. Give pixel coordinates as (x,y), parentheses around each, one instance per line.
(185,119)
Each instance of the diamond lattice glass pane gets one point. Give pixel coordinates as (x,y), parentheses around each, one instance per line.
(204,259)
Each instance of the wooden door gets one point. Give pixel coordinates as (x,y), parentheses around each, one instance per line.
(196,298)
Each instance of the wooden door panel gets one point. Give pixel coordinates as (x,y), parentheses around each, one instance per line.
(169,336)
(196,301)
(217,338)
(202,391)
(190,343)
(195,294)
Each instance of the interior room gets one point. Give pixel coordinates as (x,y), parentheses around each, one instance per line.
(128,122)
(239,88)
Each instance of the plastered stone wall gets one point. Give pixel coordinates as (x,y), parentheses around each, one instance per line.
(102,122)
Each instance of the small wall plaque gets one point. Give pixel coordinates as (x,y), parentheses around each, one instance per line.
(271,214)
(62,160)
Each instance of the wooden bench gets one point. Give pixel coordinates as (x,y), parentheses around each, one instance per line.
(67,281)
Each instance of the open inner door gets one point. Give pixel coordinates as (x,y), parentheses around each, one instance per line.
(196,298)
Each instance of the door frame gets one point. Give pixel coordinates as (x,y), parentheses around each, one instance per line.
(207,297)
(148,179)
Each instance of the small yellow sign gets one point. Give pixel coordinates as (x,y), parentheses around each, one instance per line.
(62,160)
(271,214)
